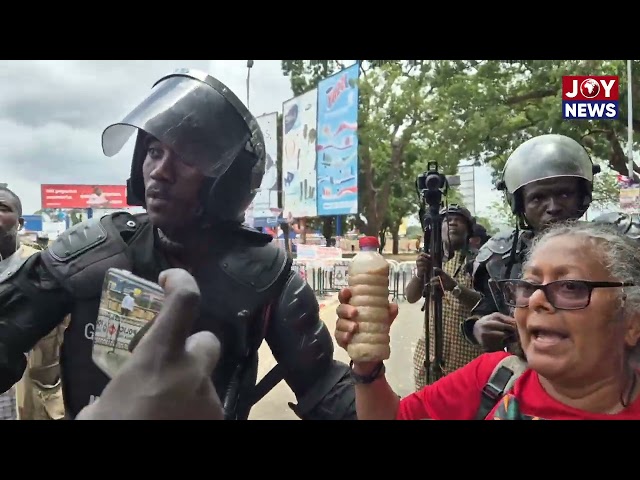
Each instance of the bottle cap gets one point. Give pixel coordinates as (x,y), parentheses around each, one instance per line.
(369,242)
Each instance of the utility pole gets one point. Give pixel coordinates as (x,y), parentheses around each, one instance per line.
(630,121)
(249,65)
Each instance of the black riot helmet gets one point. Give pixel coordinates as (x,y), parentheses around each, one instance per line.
(625,223)
(454,209)
(206,124)
(543,157)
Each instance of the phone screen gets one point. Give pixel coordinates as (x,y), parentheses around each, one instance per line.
(128,306)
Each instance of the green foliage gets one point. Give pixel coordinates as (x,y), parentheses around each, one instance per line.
(454,197)
(488,224)
(394,114)
(487,108)
(501,217)
(415,111)
(606,193)
(414,231)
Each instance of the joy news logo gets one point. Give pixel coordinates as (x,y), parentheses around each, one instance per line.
(586,98)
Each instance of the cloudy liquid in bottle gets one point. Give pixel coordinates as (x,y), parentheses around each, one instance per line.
(369,285)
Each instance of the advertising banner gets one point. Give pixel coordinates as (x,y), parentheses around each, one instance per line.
(337,149)
(84,196)
(299,134)
(32,223)
(264,209)
(630,198)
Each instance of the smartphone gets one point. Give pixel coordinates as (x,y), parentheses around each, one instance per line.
(128,306)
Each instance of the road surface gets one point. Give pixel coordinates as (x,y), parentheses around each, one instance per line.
(404,334)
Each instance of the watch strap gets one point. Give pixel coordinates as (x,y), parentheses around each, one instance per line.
(367,379)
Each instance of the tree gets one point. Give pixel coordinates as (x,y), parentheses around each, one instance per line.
(501,216)
(403,199)
(488,224)
(487,108)
(414,231)
(393,130)
(606,193)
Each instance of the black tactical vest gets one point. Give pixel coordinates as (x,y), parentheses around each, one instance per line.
(237,282)
(498,255)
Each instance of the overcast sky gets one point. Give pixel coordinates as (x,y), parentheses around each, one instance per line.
(53,112)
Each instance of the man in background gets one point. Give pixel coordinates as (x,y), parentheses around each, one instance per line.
(478,238)
(458,300)
(38,396)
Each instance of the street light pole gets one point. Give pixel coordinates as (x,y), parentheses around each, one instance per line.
(630,121)
(249,65)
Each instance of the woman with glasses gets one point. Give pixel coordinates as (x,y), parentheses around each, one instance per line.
(577,311)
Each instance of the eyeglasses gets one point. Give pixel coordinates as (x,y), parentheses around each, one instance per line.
(562,294)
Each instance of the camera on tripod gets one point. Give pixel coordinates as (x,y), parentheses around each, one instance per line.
(430,186)
(431,180)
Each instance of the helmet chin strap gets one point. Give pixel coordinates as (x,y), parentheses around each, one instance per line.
(170,245)
(202,215)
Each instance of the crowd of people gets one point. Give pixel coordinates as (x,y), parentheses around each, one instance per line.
(541,322)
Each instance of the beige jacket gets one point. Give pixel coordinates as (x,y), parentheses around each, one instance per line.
(39,392)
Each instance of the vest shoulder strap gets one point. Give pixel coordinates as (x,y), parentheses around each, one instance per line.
(500,382)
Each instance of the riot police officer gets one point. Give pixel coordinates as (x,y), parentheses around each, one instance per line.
(547,179)
(197,163)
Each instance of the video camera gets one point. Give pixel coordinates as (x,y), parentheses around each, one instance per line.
(430,186)
(431,180)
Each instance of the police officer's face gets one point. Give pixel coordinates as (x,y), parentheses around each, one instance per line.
(171,188)
(9,217)
(552,200)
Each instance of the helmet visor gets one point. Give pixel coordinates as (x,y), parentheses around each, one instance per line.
(190,117)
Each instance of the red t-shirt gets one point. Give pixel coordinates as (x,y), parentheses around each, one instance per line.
(457,397)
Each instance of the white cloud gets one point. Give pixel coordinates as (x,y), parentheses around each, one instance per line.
(52,114)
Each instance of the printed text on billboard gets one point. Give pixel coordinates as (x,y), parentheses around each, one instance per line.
(84,196)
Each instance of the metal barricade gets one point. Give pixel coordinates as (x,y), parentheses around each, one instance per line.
(328,276)
(405,272)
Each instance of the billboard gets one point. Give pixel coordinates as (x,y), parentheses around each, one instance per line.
(299,133)
(264,209)
(32,223)
(84,196)
(630,198)
(337,149)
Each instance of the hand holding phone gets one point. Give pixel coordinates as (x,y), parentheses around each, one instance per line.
(128,306)
(168,375)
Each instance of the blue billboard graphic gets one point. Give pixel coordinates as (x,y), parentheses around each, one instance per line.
(33,223)
(337,144)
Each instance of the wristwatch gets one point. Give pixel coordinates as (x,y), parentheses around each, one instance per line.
(457,291)
(367,379)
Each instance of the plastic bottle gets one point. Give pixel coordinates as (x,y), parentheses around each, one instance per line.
(369,285)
